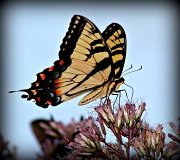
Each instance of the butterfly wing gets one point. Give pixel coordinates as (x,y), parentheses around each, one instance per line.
(48,136)
(84,65)
(115,38)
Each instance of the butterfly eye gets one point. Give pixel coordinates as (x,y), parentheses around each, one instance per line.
(121,79)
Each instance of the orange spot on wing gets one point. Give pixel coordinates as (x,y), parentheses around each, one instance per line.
(43,76)
(37,84)
(57,85)
(58,92)
(57,81)
(61,62)
(51,68)
(34,92)
(49,102)
(38,99)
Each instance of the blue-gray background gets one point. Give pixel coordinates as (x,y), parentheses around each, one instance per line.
(32,34)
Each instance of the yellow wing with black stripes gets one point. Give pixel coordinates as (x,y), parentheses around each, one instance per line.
(88,62)
(115,37)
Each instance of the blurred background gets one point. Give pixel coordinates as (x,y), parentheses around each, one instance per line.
(32,34)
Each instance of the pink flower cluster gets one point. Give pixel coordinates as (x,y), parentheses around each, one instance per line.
(88,139)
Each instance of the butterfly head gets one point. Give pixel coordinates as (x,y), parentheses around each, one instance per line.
(121,80)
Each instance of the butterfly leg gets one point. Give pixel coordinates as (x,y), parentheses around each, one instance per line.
(115,99)
(101,102)
(132,92)
(118,94)
(119,91)
(106,98)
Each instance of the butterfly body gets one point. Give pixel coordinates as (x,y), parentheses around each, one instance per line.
(89,61)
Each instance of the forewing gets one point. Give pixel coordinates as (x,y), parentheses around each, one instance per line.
(83,66)
(115,37)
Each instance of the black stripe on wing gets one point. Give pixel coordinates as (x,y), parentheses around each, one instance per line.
(47,90)
(115,37)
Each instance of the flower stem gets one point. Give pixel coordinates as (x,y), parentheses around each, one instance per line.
(119,140)
(116,152)
(104,155)
(129,140)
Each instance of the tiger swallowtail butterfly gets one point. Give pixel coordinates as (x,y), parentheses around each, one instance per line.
(89,61)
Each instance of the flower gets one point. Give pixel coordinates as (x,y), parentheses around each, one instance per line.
(131,114)
(150,142)
(53,137)
(105,112)
(5,151)
(173,148)
(176,130)
(102,125)
(87,140)
(139,111)
(119,119)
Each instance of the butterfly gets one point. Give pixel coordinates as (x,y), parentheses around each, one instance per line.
(48,136)
(89,61)
(54,136)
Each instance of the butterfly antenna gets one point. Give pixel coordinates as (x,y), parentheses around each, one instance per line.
(127,69)
(132,71)
(132,91)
